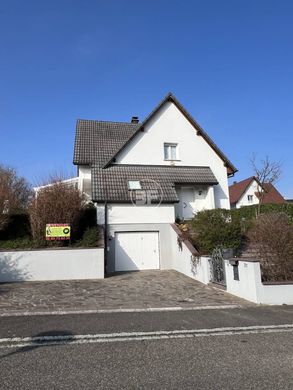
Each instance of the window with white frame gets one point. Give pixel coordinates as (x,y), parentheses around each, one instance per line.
(250,198)
(170,151)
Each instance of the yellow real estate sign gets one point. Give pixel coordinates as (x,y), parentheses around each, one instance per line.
(57,231)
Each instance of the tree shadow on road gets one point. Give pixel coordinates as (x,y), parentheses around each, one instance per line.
(43,339)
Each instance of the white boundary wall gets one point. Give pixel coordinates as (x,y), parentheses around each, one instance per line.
(250,287)
(186,262)
(58,264)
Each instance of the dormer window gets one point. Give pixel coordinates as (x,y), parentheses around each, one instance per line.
(134,185)
(170,151)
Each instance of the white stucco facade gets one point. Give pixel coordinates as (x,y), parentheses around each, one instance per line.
(130,214)
(169,125)
(118,214)
(84,177)
(193,199)
(168,138)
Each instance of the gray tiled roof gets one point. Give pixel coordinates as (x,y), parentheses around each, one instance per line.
(97,141)
(111,183)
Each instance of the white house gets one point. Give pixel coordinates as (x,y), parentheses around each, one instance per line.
(243,193)
(142,176)
(246,193)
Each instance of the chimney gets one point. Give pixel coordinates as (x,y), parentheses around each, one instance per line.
(134,119)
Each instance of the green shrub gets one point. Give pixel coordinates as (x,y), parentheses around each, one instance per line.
(90,238)
(18,243)
(248,213)
(210,229)
(216,228)
(87,218)
(18,226)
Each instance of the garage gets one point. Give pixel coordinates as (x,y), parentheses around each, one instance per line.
(136,251)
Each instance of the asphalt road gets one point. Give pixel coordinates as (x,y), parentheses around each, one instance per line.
(131,322)
(197,358)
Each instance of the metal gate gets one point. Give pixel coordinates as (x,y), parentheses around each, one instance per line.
(217,267)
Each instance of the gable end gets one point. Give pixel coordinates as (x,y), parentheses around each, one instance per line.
(231,169)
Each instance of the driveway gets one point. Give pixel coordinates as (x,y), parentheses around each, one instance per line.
(127,291)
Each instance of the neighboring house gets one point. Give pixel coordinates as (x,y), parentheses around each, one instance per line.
(67,182)
(144,175)
(246,193)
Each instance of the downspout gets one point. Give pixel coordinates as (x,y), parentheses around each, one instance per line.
(105,234)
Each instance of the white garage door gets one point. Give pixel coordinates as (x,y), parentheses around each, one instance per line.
(136,251)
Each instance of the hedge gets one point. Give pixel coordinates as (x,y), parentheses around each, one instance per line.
(18,226)
(215,228)
(228,228)
(249,212)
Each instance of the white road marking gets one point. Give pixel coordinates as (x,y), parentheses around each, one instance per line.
(106,311)
(38,341)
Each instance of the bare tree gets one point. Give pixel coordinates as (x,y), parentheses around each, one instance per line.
(265,172)
(57,202)
(15,192)
(272,236)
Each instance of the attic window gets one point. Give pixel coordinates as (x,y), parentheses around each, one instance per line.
(250,198)
(170,151)
(134,185)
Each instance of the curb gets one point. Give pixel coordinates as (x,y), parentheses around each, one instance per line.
(120,310)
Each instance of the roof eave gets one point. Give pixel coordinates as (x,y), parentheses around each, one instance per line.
(101,201)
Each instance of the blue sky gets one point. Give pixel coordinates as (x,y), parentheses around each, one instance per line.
(230,63)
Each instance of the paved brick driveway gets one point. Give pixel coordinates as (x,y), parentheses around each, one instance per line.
(133,290)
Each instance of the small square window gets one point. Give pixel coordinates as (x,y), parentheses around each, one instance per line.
(170,151)
(134,185)
(250,198)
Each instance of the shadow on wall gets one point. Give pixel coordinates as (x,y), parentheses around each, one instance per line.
(219,196)
(43,339)
(10,270)
(126,261)
(128,264)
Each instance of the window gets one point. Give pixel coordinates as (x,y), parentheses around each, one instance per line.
(134,185)
(170,152)
(250,198)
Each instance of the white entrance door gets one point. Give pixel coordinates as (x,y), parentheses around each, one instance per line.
(187,198)
(136,251)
